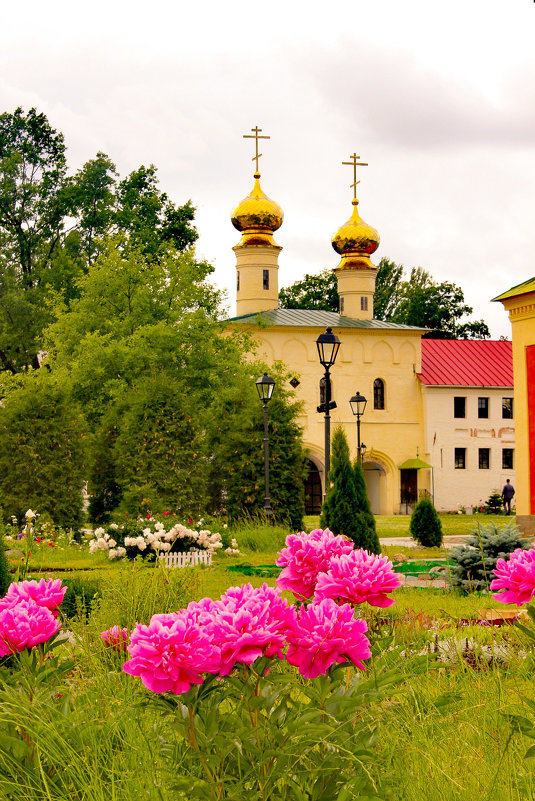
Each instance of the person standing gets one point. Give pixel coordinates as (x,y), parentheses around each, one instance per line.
(508,492)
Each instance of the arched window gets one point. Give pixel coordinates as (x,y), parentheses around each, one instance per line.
(378,394)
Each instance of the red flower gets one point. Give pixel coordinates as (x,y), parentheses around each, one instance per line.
(149,515)
(51,545)
(190,520)
(166,513)
(38,539)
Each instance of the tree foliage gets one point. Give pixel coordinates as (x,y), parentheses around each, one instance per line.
(43,452)
(346,509)
(425,525)
(312,292)
(53,227)
(472,564)
(237,476)
(419,301)
(365,521)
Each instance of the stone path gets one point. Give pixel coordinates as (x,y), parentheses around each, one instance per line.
(407,542)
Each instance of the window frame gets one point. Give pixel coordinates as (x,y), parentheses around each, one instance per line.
(455,399)
(511,411)
(483,405)
(459,458)
(510,466)
(481,453)
(379,394)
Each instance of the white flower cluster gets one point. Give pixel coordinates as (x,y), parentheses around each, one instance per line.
(103,542)
(158,540)
(233,547)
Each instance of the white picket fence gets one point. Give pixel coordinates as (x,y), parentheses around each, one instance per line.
(187,559)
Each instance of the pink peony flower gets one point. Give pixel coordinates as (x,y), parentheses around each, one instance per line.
(24,625)
(250,623)
(516,576)
(324,633)
(48,593)
(115,638)
(172,652)
(305,556)
(357,577)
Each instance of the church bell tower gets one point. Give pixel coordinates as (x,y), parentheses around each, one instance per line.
(355,241)
(257,268)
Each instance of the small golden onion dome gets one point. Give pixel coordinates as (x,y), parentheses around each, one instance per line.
(355,241)
(257,217)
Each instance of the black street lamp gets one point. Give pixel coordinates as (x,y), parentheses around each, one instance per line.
(328,345)
(265,386)
(358,404)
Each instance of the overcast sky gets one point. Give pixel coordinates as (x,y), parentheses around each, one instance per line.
(438,98)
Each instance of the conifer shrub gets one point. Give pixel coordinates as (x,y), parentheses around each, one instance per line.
(5,575)
(367,535)
(346,509)
(425,525)
(471,565)
(494,505)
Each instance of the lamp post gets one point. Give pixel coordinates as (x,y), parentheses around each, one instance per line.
(265,386)
(358,404)
(328,345)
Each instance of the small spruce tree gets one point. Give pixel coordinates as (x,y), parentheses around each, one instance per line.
(347,509)
(472,564)
(367,535)
(494,503)
(425,525)
(5,576)
(339,507)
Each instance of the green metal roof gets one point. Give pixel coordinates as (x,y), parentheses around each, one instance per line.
(316,319)
(413,464)
(519,289)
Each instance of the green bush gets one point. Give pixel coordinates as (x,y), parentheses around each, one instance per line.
(494,504)
(5,575)
(425,525)
(43,452)
(81,597)
(473,563)
(346,509)
(366,536)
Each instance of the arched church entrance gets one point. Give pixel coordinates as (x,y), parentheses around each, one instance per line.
(375,477)
(313,493)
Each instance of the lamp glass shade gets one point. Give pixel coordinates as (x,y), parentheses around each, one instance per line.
(265,386)
(328,345)
(358,404)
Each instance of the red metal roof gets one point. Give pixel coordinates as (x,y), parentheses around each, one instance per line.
(467,362)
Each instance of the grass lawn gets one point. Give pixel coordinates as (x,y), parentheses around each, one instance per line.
(440,734)
(398,525)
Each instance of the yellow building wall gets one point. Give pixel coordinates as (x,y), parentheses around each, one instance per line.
(522,315)
(392,435)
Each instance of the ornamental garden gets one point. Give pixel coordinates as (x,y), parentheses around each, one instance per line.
(288,665)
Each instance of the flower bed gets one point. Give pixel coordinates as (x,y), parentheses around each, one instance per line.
(151,538)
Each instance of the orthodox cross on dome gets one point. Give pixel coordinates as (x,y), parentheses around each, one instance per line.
(256,136)
(354,163)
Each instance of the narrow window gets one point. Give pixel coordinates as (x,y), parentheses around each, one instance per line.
(378,394)
(341,305)
(507,408)
(237,280)
(483,407)
(484,458)
(460,458)
(459,407)
(266,279)
(508,458)
(364,303)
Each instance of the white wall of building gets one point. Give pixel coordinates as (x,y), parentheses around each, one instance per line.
(456,487)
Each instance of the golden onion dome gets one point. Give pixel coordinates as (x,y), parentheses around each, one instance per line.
(257,217)
(355,237)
